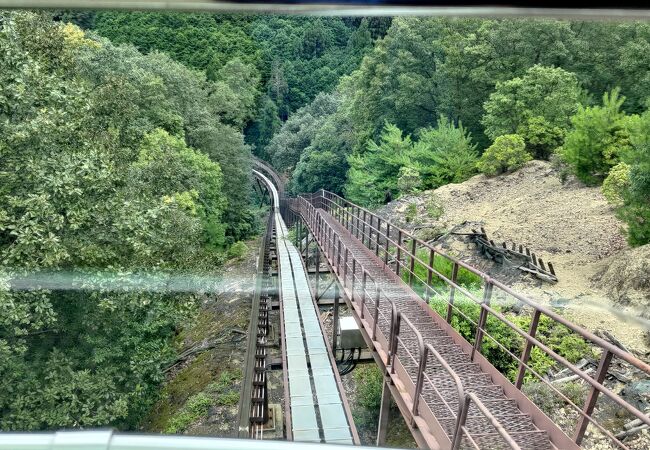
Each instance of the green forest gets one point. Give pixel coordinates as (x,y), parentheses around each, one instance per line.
(126,143)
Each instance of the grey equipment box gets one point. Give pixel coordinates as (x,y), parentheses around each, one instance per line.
(350,335)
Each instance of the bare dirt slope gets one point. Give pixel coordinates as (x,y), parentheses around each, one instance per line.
(567,223)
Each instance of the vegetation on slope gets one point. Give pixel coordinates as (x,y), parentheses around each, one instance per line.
(113,163)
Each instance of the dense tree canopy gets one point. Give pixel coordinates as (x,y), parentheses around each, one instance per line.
(106,175)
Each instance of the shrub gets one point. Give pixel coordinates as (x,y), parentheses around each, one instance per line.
(237,250)
(369,382)
(408,181)
(549,401)
(228,399)
(636,208)
(598,138)
(411,212)
(507,153)
(556,336)
(433,208)
(616,183)
(541,137)
(195,408)
(446,154)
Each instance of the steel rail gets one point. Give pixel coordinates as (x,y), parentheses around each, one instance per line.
(245,402)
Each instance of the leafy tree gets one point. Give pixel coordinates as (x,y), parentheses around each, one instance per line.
(507,153)
(374,173)
(538,104)
(319,170)
(201,41)
(541,138)
(445,154)
(101,169)
(636,199)
(298,132)
(263,128)
(597,139)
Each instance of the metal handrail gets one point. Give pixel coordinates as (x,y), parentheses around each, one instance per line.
(547,312)
(349,215)
(460,423)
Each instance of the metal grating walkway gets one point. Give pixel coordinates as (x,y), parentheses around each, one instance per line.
(438,390)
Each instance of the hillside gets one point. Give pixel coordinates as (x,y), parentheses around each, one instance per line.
(567,223)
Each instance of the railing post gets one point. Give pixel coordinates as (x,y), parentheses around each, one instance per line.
(460,423)
(370,233)
(452,291)
(338,256)
(376,317)
(345,268)
(601,372)
(317,269)
(335,319)
(378,233)
(364,280)
(429,274)
(482,319)
(526,353)
(412,264)
(363,233)
(387,247)
(398,264)
(354,274)
(392,349)
(424,353)
(356,228)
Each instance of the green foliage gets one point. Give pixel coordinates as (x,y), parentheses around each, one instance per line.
(597,140)
(408,180)
(369,382)
(411,213)
(537,105)
(376,171)
(616,184)
(445,154)
(506,154)
(297,133)
(104,173)
(559,338)
(433,208)
(202,41)
(196,408)
(542,138)
(443,266)
(237,250)
(636,208)
(549,401)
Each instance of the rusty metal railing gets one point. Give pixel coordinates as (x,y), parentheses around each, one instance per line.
(369,297)
(414,261)
(460,427)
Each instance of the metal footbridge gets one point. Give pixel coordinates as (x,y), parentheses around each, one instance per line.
(449,393)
